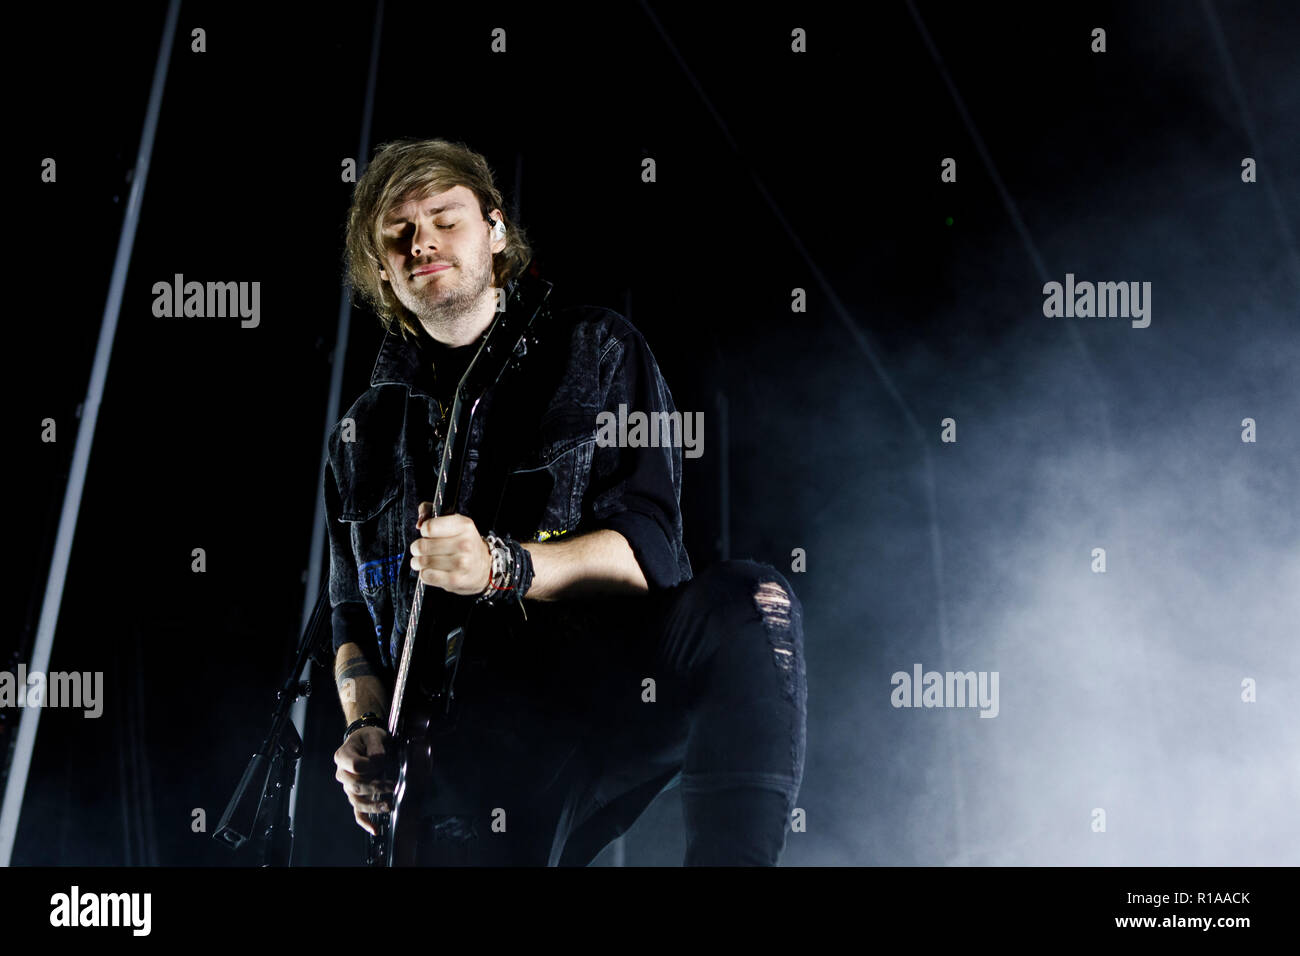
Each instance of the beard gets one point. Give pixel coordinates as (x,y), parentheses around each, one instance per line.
(439,304)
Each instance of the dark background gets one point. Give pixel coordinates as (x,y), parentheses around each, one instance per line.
(775,171)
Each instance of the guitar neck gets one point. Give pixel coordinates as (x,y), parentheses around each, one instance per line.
(445,475)
(404,668)
(504,347)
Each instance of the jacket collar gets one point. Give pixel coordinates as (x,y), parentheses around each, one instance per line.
(398,363)
(399,360)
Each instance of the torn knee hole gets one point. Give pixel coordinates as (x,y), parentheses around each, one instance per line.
(773,604)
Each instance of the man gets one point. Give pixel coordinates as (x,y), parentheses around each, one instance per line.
(615,672)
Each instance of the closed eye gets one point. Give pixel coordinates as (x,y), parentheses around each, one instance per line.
(403,232)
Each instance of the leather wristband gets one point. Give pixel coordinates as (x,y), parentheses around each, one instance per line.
(369,719)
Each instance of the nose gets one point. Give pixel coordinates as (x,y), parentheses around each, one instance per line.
(421,241)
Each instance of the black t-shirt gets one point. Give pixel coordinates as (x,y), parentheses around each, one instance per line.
(441,366)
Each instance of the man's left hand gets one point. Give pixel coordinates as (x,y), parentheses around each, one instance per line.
(450,553)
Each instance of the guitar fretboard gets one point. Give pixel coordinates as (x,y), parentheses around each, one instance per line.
(417,599)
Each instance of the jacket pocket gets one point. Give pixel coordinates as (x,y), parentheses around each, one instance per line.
(543,493)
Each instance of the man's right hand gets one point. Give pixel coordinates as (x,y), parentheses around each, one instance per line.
(362,763)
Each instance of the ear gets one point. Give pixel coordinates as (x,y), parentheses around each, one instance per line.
(383,275)
(499,244)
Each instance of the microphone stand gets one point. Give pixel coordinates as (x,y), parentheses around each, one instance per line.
(259,809)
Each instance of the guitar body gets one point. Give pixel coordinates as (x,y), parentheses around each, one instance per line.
(423,712)
(424,693)
(399,837)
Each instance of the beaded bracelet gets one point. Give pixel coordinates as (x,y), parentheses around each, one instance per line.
(512,570)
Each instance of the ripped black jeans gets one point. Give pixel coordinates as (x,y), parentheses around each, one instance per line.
(565,736)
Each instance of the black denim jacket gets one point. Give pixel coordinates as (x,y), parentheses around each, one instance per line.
(536,432)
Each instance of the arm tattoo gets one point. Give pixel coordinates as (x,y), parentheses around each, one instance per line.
(351,669)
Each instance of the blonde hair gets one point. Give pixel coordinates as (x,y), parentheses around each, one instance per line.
(415,169)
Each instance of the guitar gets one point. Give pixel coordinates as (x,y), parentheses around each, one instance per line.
(435,630)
